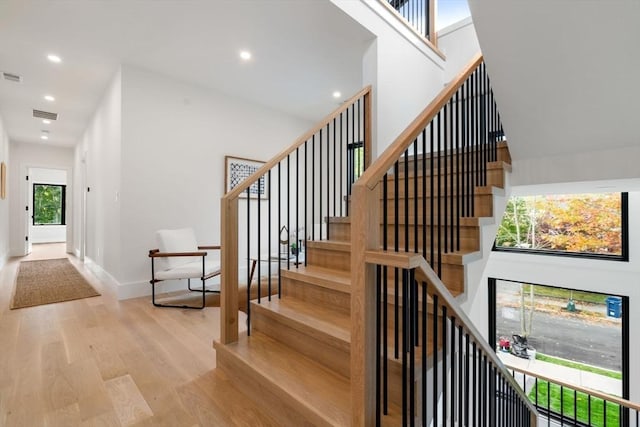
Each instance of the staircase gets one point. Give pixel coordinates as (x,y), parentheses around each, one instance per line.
(301,359)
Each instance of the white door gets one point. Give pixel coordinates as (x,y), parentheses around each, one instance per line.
(29,216)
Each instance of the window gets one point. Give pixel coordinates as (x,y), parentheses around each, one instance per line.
(587,225)
(570,334)
(49,204)
(355,160)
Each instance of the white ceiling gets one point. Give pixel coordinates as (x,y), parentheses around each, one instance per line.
(566,70)
(303,50)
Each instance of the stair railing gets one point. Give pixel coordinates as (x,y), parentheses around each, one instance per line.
(578,405)
(268,217)
(448,148)
(419,15)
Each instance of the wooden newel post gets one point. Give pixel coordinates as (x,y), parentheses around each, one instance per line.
(365,235)
(229,271)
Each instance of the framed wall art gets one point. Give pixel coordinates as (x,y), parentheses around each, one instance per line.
(238,169)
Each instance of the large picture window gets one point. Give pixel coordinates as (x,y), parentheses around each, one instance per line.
(49,204)
(587,225)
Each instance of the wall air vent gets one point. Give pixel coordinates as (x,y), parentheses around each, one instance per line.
(12,77)
(45,115)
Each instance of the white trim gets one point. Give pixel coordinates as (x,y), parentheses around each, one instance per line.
(455,27)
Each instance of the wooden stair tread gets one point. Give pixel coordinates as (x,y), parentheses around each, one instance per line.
(329,244)
(484,190)
(490,166)
(319,389)
(314,319)
(338,280)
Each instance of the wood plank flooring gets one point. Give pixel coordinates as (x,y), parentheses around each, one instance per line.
(103,362)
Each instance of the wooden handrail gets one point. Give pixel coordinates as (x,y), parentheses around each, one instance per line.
(595,393)
(237,191)
(385,161)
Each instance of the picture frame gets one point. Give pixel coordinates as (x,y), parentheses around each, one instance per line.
(3,180)
(237,169)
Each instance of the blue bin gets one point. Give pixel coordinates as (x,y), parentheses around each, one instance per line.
(614,307)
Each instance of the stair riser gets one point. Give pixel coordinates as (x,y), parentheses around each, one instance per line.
(469,235)
(502,156)
(452,276)
(327,258)
(483,206)
(302,339)
(277,403)
(309,292)
(495,178)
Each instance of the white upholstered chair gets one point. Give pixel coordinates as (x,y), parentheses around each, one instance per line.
(179,257)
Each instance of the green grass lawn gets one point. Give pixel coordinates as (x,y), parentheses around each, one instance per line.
(577,403)
(580,366)
(548,291)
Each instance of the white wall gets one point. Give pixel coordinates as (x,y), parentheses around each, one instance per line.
(4,204)
(618,278)
(174,139)
(98,152)
(405,74)
(460,44)
(25,156)
(47,233)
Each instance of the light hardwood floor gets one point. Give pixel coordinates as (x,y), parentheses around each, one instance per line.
(103,362)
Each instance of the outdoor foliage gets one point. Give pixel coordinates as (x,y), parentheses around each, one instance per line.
(575,404)
(47,207)
(586,223)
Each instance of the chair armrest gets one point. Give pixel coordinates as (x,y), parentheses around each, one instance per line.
(155,253)
(210,247)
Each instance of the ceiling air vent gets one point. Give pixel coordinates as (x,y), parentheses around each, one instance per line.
(12,77)
(45,115)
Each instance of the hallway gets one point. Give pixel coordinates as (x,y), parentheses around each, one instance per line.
(100,361)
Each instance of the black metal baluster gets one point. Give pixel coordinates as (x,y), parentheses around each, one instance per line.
(396,208)
(439,189)
(259,247)
(406,200)
(444,364)
(452,354)
(415,197)
(297,242)
(288,216)
(424,196)
(451,186)
(458,171)
(467,375)
(269,183)
(320,185)
(405,331)
(313,188)
(306,191)
(249,262)
(378,349)
(342,201)
(432,195)
(445,141)
(474,409)
(460,374)
(335,173)
(434,340)
(279,225)
(411,286)
(328,224)
(424,352)
(385,245)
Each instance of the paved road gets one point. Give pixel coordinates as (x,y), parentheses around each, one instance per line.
(571,338)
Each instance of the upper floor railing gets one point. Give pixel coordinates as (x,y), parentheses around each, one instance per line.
(267,219)
(417,14)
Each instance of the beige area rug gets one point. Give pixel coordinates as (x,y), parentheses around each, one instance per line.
(49,281)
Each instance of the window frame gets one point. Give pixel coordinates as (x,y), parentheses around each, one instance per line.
(624,234)
(492,330)
(63,205)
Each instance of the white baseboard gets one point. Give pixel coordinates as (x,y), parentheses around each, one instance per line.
(102,274)
(143,288)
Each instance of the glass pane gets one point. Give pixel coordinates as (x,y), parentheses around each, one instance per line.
(47,206)
(576,223)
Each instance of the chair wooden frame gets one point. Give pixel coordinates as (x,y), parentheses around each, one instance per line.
(155,253)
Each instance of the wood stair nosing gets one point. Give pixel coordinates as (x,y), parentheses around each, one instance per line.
(295,388)
(465,221)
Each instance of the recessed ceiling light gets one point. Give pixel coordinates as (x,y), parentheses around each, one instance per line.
(49,98)
(54,58)
(44,136)
(46,122)
(337,94)
(245,55)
